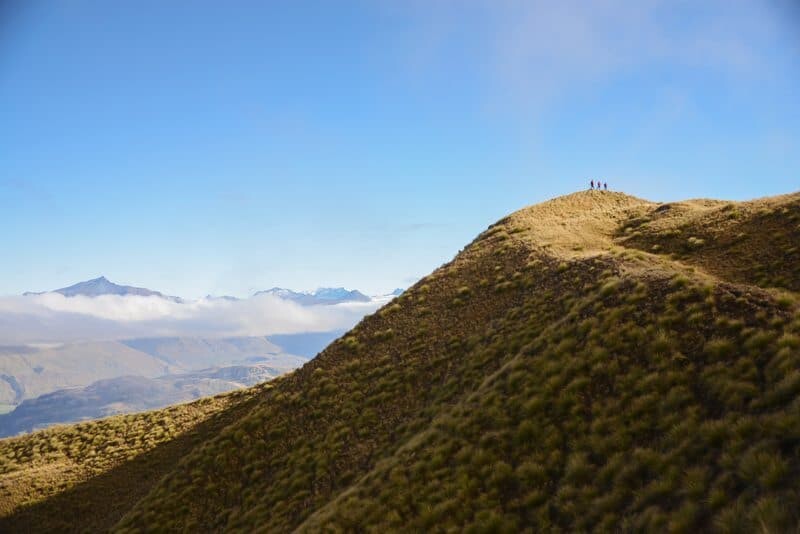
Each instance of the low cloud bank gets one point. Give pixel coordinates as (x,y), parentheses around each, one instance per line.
(53,318)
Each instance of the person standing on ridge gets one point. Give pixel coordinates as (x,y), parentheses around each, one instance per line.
(605,186)
(591,184)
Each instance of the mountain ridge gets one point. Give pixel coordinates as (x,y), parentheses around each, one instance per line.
(130,394)
(102,286)
(320,296)
(580,365)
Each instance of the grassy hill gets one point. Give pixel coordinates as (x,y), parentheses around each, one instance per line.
(593,362)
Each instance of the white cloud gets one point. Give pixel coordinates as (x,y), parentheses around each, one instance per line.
(52,317)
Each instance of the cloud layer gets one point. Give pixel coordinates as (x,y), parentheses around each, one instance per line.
(53,318)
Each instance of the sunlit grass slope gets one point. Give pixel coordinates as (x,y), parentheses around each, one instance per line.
(571,369)
(753,243)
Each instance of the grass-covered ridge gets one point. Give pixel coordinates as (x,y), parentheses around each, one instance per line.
(560,374)
(754,243)
(616,416)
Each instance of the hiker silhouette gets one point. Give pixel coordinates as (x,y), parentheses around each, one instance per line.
(591,184)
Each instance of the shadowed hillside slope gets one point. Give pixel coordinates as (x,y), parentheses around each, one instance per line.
(558,374)
(84,477)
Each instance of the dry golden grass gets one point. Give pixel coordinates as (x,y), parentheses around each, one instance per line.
(756,242)
(577,225)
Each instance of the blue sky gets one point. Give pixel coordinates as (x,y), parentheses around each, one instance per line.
(225,147)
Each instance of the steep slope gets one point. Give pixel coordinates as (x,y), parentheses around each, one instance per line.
(535,380)
(617,417)
(557,375)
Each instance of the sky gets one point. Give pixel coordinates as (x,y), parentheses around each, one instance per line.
(227,147)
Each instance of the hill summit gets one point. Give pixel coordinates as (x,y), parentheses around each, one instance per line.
(595,362)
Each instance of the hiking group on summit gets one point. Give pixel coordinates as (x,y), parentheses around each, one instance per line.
(603,185)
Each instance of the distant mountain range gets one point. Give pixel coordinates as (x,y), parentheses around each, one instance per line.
(102,286)
(324,295)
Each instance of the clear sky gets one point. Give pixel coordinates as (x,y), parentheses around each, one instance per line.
(224,147)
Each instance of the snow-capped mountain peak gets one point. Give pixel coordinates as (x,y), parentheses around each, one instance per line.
(322,295)
(103,286)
